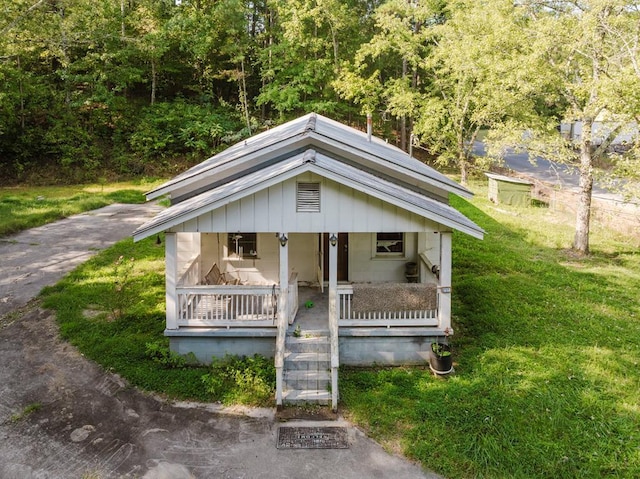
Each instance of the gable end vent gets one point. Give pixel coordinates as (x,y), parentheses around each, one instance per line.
(308,198)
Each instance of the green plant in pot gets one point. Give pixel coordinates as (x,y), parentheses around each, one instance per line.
(440,359)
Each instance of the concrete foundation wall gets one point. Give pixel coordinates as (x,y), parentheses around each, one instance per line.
(205,348)
(393,351)
(354,350)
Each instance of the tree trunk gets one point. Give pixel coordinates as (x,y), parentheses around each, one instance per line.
(583,215)
(154,80)
(403,118)
(22,112)
(462,162)
(242,85)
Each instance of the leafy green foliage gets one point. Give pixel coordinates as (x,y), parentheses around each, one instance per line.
(162,355)
(246,380)
(121,295)
(172,128)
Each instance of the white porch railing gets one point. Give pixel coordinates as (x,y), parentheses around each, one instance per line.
(191,276)
(292,298)
(231,305)
(242,305)
(348,317)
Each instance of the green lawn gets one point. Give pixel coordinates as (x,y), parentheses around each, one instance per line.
(27,207)
(547,347)
(546,350)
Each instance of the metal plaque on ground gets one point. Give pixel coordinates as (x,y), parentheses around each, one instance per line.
(331,437)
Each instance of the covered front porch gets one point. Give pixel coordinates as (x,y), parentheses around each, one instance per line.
(209,286)
(220,301)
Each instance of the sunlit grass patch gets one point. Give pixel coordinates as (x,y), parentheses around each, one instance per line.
(118,341)
(27,207)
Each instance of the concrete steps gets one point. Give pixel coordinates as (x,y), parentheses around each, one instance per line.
(306,373)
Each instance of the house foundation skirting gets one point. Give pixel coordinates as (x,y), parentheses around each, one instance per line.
(358,347)
(385,350)
(207,344)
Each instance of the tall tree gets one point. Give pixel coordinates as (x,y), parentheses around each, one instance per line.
(580,49)
(387,73)
(474,80)
(308,41)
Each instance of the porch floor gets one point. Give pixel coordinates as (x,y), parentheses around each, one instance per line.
(315,318)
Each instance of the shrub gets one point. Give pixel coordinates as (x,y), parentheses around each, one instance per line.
(163,356)
(178,127)
(245,380)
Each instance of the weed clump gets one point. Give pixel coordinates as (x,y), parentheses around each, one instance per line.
(243,380)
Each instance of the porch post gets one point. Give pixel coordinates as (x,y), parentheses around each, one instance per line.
(333,319)
(283,323)
(171,279)
(444,287)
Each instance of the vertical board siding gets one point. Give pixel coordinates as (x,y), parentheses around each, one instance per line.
(247,214)
(262,211)
(342,209)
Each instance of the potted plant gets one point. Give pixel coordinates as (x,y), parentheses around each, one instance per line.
(440,359)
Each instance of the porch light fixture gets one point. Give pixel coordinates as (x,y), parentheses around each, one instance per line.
(333,239)
(283,240)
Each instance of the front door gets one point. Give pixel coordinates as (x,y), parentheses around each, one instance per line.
(343,256)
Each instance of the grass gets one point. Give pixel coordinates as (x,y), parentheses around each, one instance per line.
(546,352)
(26,411)
(27,207)
(88,303)
(113,309)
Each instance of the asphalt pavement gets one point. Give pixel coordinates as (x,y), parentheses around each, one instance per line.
(555,174)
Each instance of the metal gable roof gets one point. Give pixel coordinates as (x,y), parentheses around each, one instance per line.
(353,138)
(251,145)
(311,129)
(241,187)
(324,166)
(400,196)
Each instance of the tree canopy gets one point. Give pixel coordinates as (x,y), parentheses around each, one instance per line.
(137,86)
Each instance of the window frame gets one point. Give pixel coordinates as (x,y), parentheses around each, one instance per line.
(231,246)
(389,254)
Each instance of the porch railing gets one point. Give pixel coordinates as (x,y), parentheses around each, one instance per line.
(236,305)
(292,307)
(225,306)
(348,317)
(191,276)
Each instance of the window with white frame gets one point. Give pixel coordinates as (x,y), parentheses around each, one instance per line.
(242,245)
(389,244)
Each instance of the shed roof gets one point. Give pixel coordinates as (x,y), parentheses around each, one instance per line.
(319,163)
(507,179)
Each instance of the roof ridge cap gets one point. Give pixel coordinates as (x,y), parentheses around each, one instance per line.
(309,156)
(311,124)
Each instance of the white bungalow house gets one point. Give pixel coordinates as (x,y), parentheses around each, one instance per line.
(315,228)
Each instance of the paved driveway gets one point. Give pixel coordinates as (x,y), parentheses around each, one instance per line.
(62,416)
(41,256)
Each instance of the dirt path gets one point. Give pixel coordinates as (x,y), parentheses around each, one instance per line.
(62,416)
